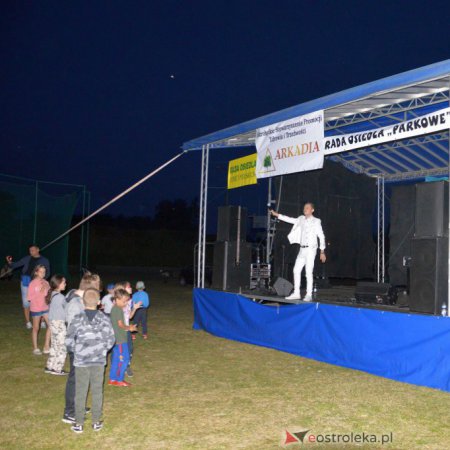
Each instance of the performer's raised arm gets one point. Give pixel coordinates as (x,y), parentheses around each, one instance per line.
(284,218)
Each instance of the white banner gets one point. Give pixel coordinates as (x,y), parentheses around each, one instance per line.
(294,145)
(429,123)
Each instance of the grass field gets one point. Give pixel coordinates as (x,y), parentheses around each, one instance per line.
(192,390)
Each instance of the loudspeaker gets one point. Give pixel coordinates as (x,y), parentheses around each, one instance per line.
(283,287)
(232,223)
(232,262)
(377,293)
(431,209)
(429,275)
(401,231)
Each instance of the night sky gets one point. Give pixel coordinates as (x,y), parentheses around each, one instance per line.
(87,94)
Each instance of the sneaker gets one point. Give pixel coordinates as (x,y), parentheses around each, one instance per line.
(46,351)
(307,298)
(129,372)
(294,296)
(112,382)
(144,336)
(37,352)
(87,410)
(77,428)
(43,324)
(122,384)
(69,419)
(47,370)
(61,373)
(97,426)
(29,326)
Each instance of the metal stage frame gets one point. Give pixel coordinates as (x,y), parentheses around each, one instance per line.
(381,266)
(203,208)
(384,102)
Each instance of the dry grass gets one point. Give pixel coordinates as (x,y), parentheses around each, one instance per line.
(192,390)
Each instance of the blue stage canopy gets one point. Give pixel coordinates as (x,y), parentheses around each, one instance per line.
(380,103)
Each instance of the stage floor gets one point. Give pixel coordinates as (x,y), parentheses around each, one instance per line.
(335,295)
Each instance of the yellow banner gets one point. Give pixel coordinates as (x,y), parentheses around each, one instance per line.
(242,171)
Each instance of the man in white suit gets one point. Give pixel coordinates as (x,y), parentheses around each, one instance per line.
(306,230)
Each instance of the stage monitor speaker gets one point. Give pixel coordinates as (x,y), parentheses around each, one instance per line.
(283,287)
(375,293)
(431,209)
(429,275)
(232,224)
(232,260)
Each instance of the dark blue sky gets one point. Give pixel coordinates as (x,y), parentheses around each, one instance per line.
(87,95)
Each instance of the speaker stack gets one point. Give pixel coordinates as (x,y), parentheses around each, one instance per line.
(429,249)
(401,232)
(232,224)
(232,254)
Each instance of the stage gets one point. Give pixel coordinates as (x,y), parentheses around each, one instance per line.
(411,348)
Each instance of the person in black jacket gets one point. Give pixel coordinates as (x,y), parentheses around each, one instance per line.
(28,264)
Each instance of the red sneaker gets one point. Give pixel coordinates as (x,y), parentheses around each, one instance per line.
(112,382)
(144,336)
(122,384)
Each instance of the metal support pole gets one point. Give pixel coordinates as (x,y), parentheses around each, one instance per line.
(448,264)
(200,220)
(35,212)
(83,215)
(21,242)
(86,252)
(383,265)
(115,199)
(269,231)
(380,231)
(201,256)
(205,210)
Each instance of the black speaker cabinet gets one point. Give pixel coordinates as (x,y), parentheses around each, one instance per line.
(429,275)
(232,261)
(431,209)
(232,223)
(401,231)
(375,293)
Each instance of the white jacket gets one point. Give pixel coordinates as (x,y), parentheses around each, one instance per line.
(295,236)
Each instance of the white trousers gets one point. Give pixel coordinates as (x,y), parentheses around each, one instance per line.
(305,259)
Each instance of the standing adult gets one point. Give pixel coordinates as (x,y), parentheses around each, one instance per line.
(28,264)
(306,231)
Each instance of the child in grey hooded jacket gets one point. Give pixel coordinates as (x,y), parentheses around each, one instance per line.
(90,335)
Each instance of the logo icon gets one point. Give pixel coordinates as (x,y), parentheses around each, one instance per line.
(267,164)
(292,437)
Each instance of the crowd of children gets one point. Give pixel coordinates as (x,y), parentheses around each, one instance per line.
(86,327)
